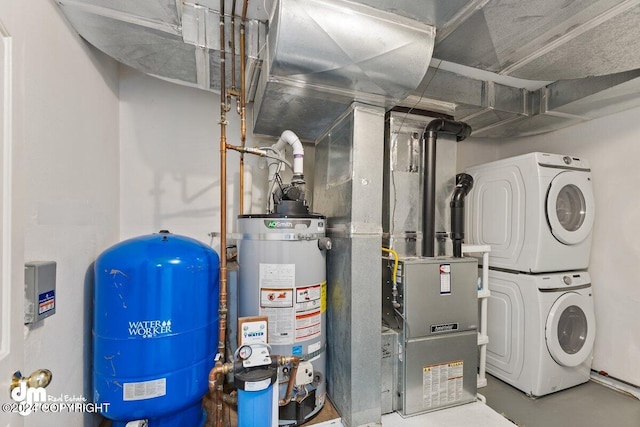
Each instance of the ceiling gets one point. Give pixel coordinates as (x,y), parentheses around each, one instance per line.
(507,67)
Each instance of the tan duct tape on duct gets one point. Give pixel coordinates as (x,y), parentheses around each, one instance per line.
(324,54)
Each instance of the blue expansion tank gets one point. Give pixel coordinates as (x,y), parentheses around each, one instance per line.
(155,329)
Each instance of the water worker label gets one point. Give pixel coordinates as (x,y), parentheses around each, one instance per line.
(149,328)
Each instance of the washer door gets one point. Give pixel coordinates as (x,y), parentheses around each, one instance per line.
(570,207)
(570,329)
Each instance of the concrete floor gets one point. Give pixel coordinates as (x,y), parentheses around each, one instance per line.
(587,405)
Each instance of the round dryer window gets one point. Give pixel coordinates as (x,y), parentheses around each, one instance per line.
(570,207)
(570,329)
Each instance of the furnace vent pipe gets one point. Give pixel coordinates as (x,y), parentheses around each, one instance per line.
(464,184)
(461,130)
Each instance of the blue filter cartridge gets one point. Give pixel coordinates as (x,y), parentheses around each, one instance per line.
(255,396)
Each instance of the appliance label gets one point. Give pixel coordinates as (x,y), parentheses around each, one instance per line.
(445,327)
(144,390)
(254,332)
(277,305)
(46,301)
(445,279)
(323,296)
(287,224)
(277,275)
(309,311)
(276,297)
(149,328)
(257,385)
(308,325)
(442,384)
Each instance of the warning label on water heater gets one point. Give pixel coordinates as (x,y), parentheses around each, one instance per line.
(277,305)
(277,275)
(442,384)
(308,312)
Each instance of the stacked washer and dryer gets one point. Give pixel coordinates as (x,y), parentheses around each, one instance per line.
(536,211)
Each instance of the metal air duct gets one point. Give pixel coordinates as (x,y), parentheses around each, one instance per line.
(324,54)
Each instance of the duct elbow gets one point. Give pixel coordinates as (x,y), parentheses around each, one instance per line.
(464,184)
(460,129)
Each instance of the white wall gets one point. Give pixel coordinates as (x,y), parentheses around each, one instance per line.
(170,159)
(66,132)
(611,146)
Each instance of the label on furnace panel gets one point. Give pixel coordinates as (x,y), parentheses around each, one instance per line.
(442,384)
(445,279)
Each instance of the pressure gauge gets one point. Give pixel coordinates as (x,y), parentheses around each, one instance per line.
(245,352)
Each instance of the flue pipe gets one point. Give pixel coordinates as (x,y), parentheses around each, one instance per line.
(288,137)
(461,130)
(464,184)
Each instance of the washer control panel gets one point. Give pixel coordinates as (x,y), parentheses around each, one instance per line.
(564,280)
(562,162)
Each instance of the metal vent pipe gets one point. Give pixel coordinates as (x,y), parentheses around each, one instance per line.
(464,184)
(461,130)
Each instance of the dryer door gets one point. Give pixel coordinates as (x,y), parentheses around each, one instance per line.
(570,207)
(570,329)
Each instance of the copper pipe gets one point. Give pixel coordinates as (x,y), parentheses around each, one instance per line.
(222,311)
(294,361)
(230,399)
(216,372)
(233,48)
(216,380)
(243,100)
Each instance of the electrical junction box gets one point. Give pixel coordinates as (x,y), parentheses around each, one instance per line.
(304,374)
(40,290)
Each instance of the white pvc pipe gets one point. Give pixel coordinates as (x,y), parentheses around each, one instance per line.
(288,137)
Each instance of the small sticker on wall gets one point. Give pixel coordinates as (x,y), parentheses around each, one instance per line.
(46,302)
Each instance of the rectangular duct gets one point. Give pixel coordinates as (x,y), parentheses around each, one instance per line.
(348,190)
